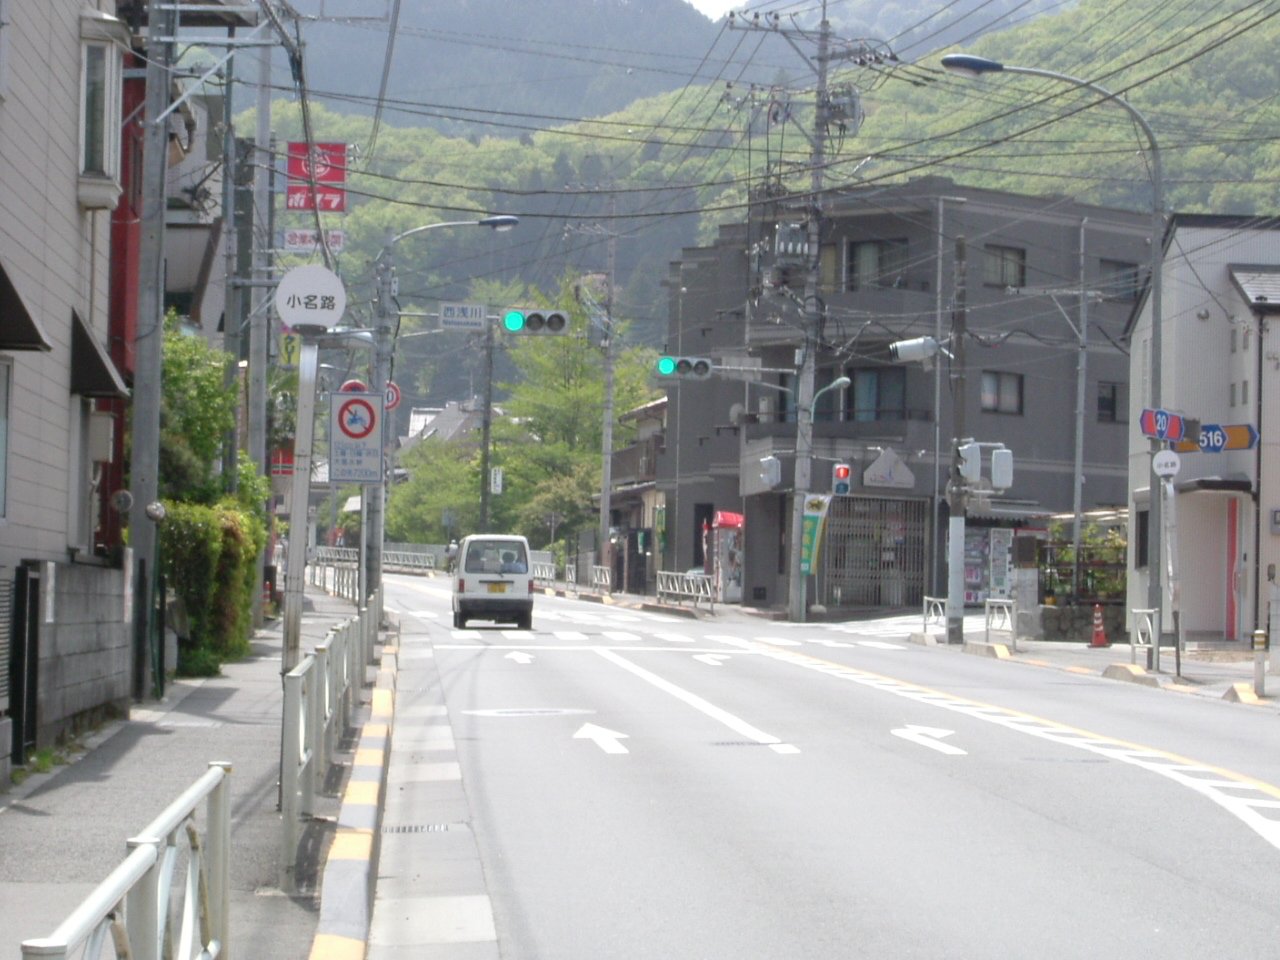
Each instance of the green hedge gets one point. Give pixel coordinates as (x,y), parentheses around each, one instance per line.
(209,558)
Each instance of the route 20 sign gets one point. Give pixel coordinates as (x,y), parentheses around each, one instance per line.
(1161,424)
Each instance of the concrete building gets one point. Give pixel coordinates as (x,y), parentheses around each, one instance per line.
(1034,269)
(1220,365)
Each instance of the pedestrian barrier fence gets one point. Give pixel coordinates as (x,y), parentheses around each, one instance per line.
(321,695)
(139,904)
(685,586)
(402,561)
(934,613)
(544,573)
(1146,635)
(1002,617)
(602,579)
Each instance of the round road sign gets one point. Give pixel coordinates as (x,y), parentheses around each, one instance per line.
(1166,463)
(356,418)
(310,298)
(393,396)
(353,386)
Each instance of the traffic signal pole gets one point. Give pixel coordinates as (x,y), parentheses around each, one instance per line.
(957,493)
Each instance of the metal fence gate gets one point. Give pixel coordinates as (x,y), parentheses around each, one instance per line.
(873,554)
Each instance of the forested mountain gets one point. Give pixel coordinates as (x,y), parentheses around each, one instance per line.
(660,173)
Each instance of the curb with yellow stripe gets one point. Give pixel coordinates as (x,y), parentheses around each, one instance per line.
(350,872)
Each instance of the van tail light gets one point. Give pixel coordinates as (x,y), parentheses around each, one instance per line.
(531,586)
(462,585)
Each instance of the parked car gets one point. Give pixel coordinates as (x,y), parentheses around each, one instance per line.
(492,581)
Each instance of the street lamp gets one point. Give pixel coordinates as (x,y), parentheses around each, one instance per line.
(970,66)
(388,317)
(804,459)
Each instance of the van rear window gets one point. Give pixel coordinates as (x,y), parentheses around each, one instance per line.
(496,557)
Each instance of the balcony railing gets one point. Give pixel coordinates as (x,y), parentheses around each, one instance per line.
(637,463)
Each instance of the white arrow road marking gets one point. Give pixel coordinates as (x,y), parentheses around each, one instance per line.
(736,724)
(930,737)
(605,739)
(520,657)
(711,659)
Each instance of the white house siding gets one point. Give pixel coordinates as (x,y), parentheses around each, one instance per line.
(1201,308)
(57,256)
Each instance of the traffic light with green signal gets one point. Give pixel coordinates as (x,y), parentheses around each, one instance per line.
(535,322)
(684,368)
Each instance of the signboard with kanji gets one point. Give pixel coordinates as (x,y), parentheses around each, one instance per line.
(326,164)
(308,240)
(310,297)
(355,438)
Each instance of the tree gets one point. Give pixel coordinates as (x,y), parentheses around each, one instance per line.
(197,412)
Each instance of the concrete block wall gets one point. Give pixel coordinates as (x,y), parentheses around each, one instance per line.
(85,654)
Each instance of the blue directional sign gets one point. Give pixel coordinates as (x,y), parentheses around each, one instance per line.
(1217,437)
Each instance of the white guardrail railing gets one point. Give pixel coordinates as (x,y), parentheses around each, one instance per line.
(1146,636)
(934,614)
(685,586)
(321,695)
(1002,617)
(544,573)
(137,907)
(602,579)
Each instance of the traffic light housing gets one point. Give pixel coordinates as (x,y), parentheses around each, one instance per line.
(684,368)
(969,461)
(536,322)
(841,478)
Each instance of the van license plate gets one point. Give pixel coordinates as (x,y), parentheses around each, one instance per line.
(497,588)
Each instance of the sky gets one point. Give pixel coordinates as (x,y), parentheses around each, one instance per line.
(715,9)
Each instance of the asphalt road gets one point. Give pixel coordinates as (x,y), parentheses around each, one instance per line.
(642,785)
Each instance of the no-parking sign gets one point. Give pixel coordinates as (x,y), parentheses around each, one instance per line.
(355,438)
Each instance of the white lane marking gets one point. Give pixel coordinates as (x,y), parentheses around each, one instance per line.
(736,724)
(516,634)
(621,636)
(930,737)
(604,738)
(881,645)
(711,659)
(520,657)
(671,637)
(1247,796)
(779,641)
(569,635)
(422,614)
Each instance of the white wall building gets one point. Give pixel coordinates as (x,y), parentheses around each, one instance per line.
(1220,365)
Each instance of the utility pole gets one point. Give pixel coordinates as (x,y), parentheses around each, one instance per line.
(957,494)
(384,346)
(812,324)
(260,317)
(486,423)
(606,429)
(144,467)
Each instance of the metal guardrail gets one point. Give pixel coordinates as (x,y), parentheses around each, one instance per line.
(134,905)
(320,698)
(401,561)
(685,586)
(1146,635)
(544,573)
(1002,617)
(602,579)
(934,613)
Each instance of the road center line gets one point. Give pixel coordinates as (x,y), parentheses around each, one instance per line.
(736,724)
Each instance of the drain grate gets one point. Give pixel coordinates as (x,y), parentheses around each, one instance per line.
(417,828)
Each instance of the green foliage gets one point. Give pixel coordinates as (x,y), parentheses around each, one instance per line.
(1102,562)
(209,558)
(443,479)
(197,412)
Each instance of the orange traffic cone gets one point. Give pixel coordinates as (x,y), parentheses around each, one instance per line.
(1099,631)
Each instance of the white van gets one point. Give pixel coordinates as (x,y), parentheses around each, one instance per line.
(492,580)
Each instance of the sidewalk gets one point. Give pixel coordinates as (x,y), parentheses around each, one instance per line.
(62,832)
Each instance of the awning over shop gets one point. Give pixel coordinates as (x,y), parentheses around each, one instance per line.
(1237,484)
(18,329)
(92,372)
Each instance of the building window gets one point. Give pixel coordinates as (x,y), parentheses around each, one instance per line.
(1233,393)
(1113,403)
(1001,392)
(1144,533)
(876,263)
(102,37)
(1244,393)
(1119,280)
(1004,266)
(828,268)
(1233,339)
(878,393)
(6,378)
